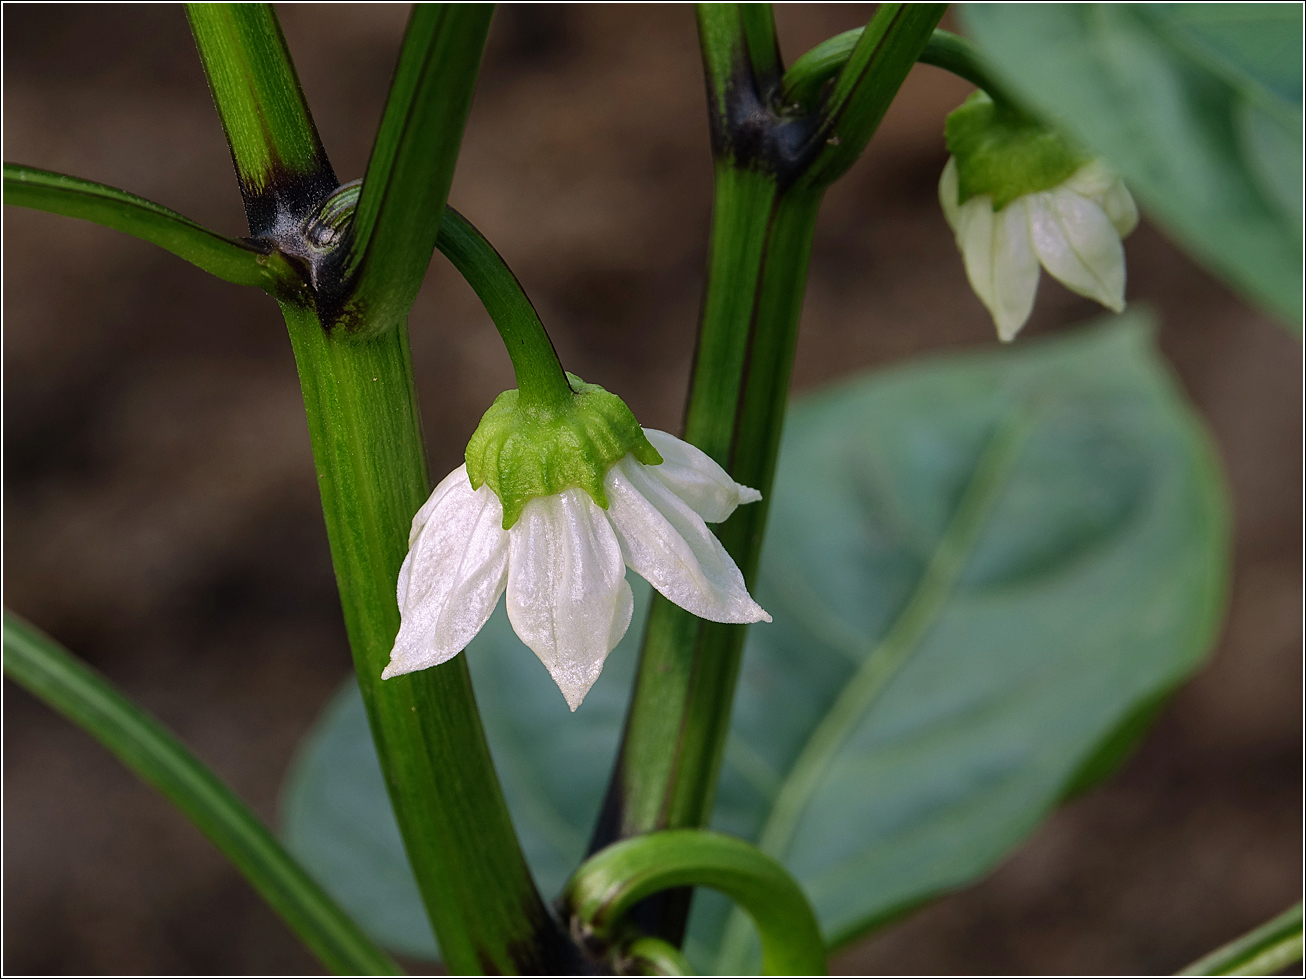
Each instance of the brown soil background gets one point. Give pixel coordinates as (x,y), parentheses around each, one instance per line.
(162,516)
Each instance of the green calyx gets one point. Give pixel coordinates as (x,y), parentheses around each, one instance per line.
(1002,152)
(522,450)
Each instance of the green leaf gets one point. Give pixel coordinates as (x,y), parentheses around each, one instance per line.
(1263,951)
(51,673)
(1198,106)
(983,569)
(236,261)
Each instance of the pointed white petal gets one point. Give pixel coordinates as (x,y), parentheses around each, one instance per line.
(453,575)
(1000,260)
(948,192)
(694,476)
(568,599)
(666,542)
(1079,246)
(1093,180)
(456,480)
(1100,185)
(1120,208)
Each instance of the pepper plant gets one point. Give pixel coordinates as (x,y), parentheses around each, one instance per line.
(930,605)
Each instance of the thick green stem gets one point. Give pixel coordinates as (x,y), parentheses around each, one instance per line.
(371,470)
(764,218)
(283,170)
(50,672)
(412,163)
(363,421)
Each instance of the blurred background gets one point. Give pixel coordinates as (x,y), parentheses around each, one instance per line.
(162,516)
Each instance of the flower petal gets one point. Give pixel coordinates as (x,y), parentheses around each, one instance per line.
(1000,260)
(1079,245)
(452,578)
(666,542)
(568,599)
(694,476)
(1120,208)
(949,189)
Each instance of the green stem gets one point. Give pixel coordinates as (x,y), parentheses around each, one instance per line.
(764,216)
(1264,951)
(371,467)
(54,675)
(610,883)
(236,261)
(412,163)
(283,170)
(866,85)
(540,377)
(648,956)
(808,76)
(364,425)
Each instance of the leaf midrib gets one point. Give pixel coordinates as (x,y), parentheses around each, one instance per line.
(885,659)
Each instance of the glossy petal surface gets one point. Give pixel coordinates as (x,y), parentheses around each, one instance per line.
(452,578)
(666,542)
(692,475)
(568,599)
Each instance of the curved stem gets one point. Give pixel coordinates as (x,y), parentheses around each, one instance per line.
(540,377)
(804,81)
(649,956)
(867,83)
(140,742)
(956,54)
(610,883)
(228,258)
(1264,951)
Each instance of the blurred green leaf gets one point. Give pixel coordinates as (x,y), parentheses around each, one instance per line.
(1198,106)
(985,570)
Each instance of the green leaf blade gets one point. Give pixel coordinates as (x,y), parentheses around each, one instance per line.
(1096,578)
(229,259)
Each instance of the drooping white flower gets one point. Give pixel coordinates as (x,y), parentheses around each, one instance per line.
(1073,229)
(1017,193)
(563,562)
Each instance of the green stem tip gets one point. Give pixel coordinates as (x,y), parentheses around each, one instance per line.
(610,883)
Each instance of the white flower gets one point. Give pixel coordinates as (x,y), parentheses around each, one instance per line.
(1074,229)
(563,563)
